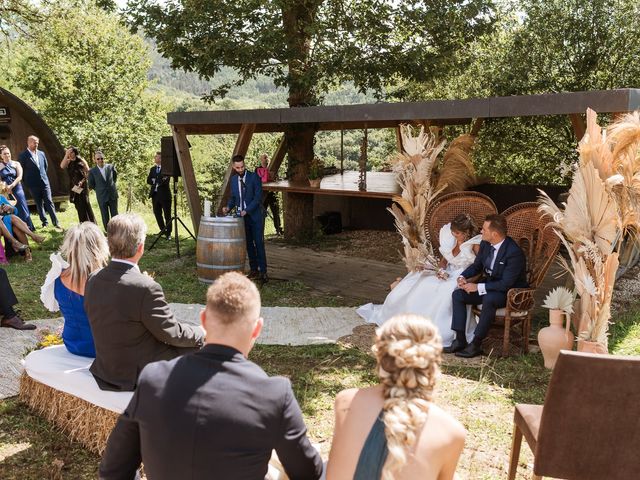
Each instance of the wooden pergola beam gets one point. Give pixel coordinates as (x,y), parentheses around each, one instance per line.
(188,176)
(277,158)
(242,145)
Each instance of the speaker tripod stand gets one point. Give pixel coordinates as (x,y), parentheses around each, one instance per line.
(174,220)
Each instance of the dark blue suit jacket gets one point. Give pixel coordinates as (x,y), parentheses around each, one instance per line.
(209,414)
(509,269)
(34,177)
(253,196)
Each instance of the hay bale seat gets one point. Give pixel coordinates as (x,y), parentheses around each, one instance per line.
(58,386)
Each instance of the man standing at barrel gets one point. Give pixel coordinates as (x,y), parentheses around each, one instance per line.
(246,197)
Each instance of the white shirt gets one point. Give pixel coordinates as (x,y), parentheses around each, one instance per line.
(482,290)
(104,175)
(119,260)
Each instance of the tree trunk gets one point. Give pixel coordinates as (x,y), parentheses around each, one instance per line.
(298,207)
(298,20)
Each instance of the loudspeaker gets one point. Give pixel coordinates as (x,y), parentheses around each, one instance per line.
(170,165)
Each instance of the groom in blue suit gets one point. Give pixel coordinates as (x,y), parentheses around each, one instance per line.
(34,165)
(499,266)
(246,196)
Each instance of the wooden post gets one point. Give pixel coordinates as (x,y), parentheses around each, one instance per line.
(475,128)
(399,139)
(341,150)
(242,145)
(188,176)
(579,128)
(278,157)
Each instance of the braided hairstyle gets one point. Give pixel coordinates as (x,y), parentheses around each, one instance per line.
(408,350)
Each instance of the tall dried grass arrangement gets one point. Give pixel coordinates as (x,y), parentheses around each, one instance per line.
(602,210)
(422,176)
(82,421)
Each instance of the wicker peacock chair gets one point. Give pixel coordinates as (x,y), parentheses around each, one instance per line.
(447,207)
(540,244)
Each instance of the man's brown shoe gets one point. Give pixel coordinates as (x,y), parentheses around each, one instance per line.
(17,323)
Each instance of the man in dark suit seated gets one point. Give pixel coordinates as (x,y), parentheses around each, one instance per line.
(10,318)
(132,324)
(213,413)
(499,266)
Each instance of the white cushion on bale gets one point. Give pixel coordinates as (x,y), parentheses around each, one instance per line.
(57,368)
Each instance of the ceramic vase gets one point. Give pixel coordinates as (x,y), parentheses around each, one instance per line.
(554,338)
(315,182)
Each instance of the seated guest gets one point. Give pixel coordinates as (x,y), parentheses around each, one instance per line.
(15,230)
(86,250)
(393,430)
(10,318)
(131,322)
(213,413)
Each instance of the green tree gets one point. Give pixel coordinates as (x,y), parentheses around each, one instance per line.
(540,47)
(87,75)
(308,46)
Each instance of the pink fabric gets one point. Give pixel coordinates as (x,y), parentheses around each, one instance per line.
(3,256)
(263,173)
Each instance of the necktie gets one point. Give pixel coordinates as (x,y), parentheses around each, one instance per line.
(494,254)
(243,191)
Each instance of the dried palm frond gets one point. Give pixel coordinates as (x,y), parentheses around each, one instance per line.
(591,212)
(456,171)
(602,211)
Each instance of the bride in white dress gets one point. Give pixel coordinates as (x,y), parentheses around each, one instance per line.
(428,293)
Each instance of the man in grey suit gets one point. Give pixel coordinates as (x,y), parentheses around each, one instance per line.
(102,179)
(131,322)
(213,413)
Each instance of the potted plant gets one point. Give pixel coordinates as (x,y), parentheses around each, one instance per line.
(316,169)
(557,336)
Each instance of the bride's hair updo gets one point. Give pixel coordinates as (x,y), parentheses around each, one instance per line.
(464,223)
(408,350)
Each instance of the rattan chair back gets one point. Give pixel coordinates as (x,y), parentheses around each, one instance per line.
(530,229)
(445,208)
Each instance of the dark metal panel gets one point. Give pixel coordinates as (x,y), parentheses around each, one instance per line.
(442,111)
(602,101)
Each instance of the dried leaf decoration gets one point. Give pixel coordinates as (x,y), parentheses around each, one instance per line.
(422,177)
(600,217)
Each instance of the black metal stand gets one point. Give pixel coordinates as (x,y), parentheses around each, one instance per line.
(174,219)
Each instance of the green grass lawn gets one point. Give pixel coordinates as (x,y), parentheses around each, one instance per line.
(481,395)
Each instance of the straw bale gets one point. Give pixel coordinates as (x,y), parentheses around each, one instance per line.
(82,421)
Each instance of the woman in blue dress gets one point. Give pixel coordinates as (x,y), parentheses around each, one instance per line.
(15,231)
(84,250)
(11,174)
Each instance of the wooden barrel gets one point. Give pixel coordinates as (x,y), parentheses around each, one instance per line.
(221,247)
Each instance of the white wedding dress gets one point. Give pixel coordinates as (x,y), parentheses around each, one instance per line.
(425,294)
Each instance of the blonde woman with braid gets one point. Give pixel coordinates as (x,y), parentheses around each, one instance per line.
(84,250)
(394,430)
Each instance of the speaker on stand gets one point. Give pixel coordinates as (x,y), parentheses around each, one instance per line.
(170,167)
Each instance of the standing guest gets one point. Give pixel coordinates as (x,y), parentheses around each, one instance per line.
(213,413)
(246,196)
(15,230)
(499,266)
(10,318)
(34,165)
(102,179)
(269,198)
(132,324)
(393,430)
(85,250)
(11,174)
(78,174)
(160,196)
